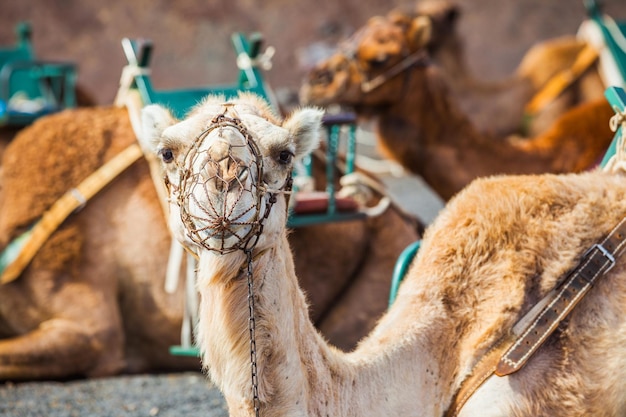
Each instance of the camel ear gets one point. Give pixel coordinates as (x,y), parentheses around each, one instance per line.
(452,14)
(420,31)
(304,126)
(442,13)
(154,120)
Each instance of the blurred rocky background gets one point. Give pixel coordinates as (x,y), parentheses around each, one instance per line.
(192,37)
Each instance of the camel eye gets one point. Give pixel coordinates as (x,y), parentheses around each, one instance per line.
(285,157)
(166,155)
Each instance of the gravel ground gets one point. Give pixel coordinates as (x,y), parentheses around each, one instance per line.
(169,395)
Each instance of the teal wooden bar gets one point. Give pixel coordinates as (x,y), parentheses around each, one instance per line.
(29,87)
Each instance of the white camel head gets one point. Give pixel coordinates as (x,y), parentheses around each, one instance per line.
(228,168)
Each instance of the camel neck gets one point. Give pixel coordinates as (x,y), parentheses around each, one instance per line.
(299,374)
(451,58)
(427,131)
(286,340)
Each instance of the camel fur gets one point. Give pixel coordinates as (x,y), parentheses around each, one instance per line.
(421,126)
(92,302)
(498,247)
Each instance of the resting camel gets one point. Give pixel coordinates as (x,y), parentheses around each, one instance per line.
(498,107)
(478,273)
(429,135)
(92,301)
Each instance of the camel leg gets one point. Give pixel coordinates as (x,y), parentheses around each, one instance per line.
(58,348)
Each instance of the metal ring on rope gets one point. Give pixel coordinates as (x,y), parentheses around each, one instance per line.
(617,162)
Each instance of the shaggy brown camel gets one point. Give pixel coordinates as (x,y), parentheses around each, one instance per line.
(92,302)
(495,107)
(429,135)
(477,275)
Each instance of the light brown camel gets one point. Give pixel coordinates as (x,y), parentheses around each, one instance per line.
(479,271)
(92,302)
(495,107)
(429,135)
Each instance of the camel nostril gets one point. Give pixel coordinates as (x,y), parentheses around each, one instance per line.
(243,174)
(322,77)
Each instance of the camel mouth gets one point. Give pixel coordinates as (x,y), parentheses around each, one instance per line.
(220,218)
(322,77)
(324,92)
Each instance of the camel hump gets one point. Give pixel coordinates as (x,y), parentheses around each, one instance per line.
(53,155)
(519,190)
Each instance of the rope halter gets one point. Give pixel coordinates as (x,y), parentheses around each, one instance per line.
(409,59)
(215,184)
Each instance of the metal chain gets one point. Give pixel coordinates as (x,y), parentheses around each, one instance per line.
(251,317)
(256,403)
(252,328)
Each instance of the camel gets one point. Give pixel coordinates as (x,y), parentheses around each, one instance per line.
(497,108)
(478,273)
(92,302)
(429,135)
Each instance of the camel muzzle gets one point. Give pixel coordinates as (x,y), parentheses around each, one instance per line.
(220,195)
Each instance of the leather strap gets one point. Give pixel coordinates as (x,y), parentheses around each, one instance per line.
(482,370)
(31,241)
(596,262)
(553,309)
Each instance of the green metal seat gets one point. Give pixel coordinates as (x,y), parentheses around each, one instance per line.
(30,88)
(609,38)
(338,127)
(138,53)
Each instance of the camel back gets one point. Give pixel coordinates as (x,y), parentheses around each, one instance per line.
(62,150)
